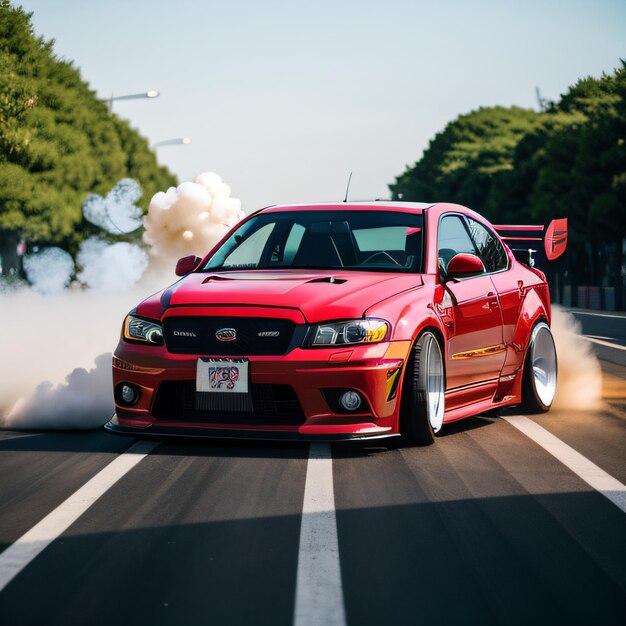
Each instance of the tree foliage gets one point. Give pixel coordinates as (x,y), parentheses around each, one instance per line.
(462,160)
(58,142)
(519,166)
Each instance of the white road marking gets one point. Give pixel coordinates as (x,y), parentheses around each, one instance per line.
(593,475)
(604,343)
(19,554)
(619,317)
(319,593)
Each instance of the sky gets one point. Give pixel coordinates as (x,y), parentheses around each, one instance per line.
(284,99)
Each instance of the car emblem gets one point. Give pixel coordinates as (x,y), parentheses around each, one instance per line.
(269,333)
(226,334)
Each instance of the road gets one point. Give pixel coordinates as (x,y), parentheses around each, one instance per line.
(486,526)
(607,332)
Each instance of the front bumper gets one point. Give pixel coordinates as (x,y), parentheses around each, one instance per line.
(373,370)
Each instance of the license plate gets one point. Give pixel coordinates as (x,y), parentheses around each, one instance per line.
(222,375)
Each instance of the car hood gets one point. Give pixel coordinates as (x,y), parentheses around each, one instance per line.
(318,295)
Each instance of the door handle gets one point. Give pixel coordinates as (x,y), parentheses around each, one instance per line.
(492,299)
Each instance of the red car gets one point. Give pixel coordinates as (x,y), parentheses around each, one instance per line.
(339,321)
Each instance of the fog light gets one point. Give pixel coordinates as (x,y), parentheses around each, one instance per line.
(350,400)
(127,394)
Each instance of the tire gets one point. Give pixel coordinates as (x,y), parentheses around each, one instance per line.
(540,370)
(423,395)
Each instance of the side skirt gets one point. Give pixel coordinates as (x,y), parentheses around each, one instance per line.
(474,399)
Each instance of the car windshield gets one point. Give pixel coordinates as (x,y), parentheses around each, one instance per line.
(386,241)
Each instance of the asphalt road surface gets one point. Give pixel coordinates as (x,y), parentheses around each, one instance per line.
(491,525)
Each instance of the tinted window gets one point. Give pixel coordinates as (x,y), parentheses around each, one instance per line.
(452,239)
(490,250)
(361,240)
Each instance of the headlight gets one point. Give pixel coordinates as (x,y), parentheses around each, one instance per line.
(137,329)
(347,333)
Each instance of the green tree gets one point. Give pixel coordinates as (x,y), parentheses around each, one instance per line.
(518,166)
(583,175)
(462,161)
(58,142)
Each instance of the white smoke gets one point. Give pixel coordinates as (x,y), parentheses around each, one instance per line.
(46,338)
(111,267)
(68,406)
(190,218)
(65,339)
(579,385)
(49,271)
(117,213)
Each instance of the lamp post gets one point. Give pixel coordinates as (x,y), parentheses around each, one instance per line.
(185,141)
(133,96)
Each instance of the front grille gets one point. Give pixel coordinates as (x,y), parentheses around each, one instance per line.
(270,405)
(254,335)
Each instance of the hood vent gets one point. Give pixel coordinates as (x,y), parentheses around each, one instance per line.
(329,279)
(215,278)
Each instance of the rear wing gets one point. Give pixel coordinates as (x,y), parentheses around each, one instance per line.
(554,238)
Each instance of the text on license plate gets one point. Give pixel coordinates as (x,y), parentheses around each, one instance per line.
(222,375)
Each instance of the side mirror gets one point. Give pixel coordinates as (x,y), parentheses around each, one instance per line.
(187,264)
(464,265)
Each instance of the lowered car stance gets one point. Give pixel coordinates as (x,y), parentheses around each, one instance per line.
(342,321)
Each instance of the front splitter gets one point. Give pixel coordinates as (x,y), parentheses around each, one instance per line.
(219,433)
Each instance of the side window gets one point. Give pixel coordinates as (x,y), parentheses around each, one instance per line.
(248,253)
(490,250)
(452,239)
(293,243)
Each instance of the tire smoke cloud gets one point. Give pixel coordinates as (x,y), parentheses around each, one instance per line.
(190,218)
(117,212)
(579,386)
(110,268)
(46,341)
(67,406)
(57,341)
(49,271)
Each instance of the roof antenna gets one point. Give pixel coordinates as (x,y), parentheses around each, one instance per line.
(348,187)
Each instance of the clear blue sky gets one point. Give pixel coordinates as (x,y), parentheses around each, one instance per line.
(283,99)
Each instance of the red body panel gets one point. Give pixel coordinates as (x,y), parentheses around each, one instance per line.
(484,323)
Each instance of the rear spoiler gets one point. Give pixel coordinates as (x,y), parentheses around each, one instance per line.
(554,238)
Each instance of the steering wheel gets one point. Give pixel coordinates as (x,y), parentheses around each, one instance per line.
(381,253)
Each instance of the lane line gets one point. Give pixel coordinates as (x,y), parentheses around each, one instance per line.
(593,475)
(19,554)
(619,317)
(319,593)
(604,343)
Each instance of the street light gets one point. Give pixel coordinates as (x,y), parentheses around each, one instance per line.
(133,96)
(185,141)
